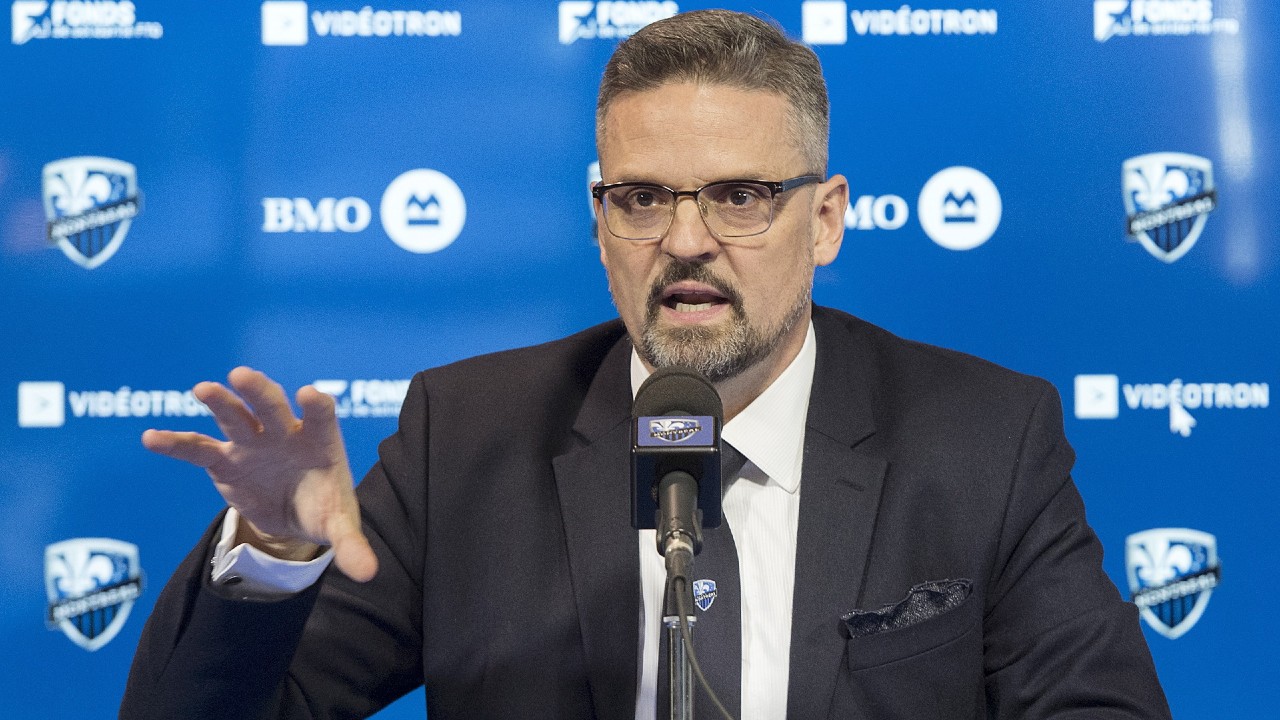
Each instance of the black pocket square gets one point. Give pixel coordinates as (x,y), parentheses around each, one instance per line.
(923,601)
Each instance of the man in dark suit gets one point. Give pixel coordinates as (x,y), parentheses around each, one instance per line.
(909,541)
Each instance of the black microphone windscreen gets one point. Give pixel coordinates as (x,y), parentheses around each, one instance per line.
(677,391)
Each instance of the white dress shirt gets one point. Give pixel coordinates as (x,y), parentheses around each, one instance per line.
(761,505)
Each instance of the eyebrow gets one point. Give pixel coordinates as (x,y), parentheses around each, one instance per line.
(642,179)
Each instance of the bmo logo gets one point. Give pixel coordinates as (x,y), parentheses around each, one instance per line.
(421,210)
(876,212)
(348,214)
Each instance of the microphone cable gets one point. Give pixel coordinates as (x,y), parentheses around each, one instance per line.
(683,596)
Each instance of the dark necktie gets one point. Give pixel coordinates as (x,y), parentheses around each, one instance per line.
(717,634)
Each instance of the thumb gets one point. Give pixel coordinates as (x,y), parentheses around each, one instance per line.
(351,550)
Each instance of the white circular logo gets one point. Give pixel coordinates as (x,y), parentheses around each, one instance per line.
(423,211)
(959,208)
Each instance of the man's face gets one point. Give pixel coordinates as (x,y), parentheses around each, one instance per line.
(720,305)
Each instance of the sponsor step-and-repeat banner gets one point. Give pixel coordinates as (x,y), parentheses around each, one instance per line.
(343,193)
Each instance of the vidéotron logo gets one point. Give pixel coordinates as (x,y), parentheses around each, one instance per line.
(1098,397)
(610,20)
(43,404)
(284,22)
(91,584)
(422,211)
(1168,197)
(823,22)
(76,20)
(1146,18)
(365,398)
(90,202)
(959,208)
(1172,572)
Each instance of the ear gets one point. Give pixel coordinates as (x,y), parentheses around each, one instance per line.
(832,198)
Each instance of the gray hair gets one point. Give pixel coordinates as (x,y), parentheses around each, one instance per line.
(721,47)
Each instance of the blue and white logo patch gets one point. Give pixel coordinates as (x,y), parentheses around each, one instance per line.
(674,429)
(92,584)
(704,593)
(89,203)
(688,430)
(1172,573)
(1168,197)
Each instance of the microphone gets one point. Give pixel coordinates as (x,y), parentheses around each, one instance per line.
(675,462)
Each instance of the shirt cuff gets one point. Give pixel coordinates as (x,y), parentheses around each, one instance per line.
(253,574)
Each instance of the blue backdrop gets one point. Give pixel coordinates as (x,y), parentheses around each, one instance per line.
(1085,191)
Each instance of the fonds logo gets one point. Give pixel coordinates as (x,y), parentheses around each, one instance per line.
(364,398)
(79,20)
(609,20)
(1146,18)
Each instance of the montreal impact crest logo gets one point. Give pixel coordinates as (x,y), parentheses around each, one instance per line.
(92,584)
(674,429)
(1168,197)
(89,203)
(1172,572)
(704,593)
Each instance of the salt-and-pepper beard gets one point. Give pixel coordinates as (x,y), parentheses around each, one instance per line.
(721,352)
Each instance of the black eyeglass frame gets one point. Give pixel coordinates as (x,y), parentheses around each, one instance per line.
(774,187)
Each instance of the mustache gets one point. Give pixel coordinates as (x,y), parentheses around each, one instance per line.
(681,270)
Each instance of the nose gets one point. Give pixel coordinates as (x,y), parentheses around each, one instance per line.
(689,238)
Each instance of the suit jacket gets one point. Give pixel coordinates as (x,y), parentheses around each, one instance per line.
(509,575)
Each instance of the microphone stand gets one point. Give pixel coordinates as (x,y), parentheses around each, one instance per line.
(679,675)
(679,538)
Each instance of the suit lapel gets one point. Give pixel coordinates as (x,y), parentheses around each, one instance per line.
(595,504)
(839,496)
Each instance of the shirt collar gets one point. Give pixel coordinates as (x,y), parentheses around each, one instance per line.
(770,431)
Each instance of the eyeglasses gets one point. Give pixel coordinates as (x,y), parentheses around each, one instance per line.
(730,208)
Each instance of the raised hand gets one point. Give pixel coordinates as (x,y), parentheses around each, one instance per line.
(288,478)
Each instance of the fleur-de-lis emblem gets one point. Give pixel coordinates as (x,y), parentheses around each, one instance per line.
(1159,184)
(1159,561)
(76,189)
(79,571)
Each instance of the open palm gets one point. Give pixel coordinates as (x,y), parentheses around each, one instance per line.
(287,477)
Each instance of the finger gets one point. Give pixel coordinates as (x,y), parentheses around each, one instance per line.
(191,447)
(319,423)
(267,399)
(351,550)
(232,415)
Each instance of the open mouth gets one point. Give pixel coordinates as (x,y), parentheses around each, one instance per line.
(692,297)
